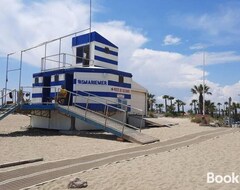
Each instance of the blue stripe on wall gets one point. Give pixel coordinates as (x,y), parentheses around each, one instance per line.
(93,36)
(104,94)
(105,60)
(37,95)
(83,70)
(100,94)
(57,83)
(103,50)
(114,83)
(37,84)
(98,107)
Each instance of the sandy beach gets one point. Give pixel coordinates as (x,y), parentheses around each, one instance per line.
(184,168)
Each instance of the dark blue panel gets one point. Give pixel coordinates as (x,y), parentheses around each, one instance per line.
(105,60)
(49,73)
(37,95)
(104,94)
(48,106)
(57,83)
(103,50)
(114,83)
(83,69)
(37,84)
(93,36)
(98,107)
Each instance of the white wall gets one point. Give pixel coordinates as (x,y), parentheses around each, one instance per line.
(57,121)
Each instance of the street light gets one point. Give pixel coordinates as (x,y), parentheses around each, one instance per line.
(203,83)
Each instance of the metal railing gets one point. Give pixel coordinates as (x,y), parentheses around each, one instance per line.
(109,106)
(29,90)
(62,60)
(133,109)
(105,114)
(9,97)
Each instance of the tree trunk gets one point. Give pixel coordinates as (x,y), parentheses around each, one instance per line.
(201,103)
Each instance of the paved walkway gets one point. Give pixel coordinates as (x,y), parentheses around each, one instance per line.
(28,176)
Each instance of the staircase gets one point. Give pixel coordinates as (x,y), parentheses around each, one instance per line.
(7,107)
(104,122)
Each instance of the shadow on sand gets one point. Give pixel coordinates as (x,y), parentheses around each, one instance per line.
(33,132)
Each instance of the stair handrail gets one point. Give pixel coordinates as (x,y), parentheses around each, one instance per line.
(123,123)
(132,107)
(127,106)
(3,97)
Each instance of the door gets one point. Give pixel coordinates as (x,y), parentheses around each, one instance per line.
(69,85)
(46,89)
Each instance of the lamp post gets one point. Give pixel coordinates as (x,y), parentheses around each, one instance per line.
(229,111)
(203,84)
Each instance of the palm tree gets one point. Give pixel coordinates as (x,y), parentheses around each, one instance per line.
(165,97)
(171,99)
(226,108)
(199,90)
(151,101)
(194,101)
(191,104)
(210,107)
(219,108)
(178,105)
(183,104)
(160,106)
(235,107)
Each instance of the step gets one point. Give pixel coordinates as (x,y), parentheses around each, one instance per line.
(112,126)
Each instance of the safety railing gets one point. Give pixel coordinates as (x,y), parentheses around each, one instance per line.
(29,91)
(127,108)
(8,97)
(107,107)
(83,100)
(63,60)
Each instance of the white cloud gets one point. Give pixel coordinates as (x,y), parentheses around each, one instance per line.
(160,71)
(198,46)
(171,40)
(125,37)
(219,27)
(24,25)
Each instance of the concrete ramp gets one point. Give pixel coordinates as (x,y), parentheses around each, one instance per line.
(154,122)
(7,109)
(108,124)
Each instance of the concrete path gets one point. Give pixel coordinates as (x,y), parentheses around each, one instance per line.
(28,176)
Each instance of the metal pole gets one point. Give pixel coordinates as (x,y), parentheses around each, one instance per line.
(69,97)
(106,117)
(86,107)
(59,56)
(64,60)
(141,123)
(45,56)
(124,123)
(20,72)
(229,111)
(6,82)
(90,30)
(203,83)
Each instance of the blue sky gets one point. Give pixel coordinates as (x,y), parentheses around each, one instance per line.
(160,42)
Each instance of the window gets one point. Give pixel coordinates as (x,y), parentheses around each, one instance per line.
(107,50)
(83,55)
(56,78)
(36,80)
(121,79)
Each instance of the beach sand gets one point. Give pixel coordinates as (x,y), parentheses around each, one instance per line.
(185,168)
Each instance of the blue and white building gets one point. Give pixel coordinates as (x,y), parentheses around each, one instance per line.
(93,70)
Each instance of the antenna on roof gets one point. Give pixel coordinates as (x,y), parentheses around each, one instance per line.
(90,17)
